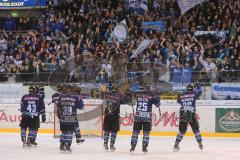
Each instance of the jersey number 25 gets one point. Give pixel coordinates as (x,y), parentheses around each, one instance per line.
(142,106)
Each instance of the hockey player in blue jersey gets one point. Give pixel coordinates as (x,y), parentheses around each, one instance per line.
(111,124)
(40,91)
(77,131)
(31,107)
(67,106)
(188,114)
(55,97)
(143,116)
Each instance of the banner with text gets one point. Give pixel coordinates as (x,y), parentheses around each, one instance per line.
(227,120)
(226,91)
(159,26)
(18,4)
(218,34)
(11,93)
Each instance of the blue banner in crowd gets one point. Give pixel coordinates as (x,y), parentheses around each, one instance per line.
(159,26)
(226,91)
(17,4)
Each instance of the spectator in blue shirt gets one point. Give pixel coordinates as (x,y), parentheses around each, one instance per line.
(9,24)
(187,73)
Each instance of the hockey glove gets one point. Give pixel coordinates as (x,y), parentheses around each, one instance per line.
(44,118)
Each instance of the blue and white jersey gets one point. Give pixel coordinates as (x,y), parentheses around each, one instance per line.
(145,101)
(32,105)
(188,100)
(67,107)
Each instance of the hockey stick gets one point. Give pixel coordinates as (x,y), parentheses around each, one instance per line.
(160,114)
(132,106)
(159,110)
(2,110)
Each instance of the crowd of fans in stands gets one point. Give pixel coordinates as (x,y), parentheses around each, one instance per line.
(81,30)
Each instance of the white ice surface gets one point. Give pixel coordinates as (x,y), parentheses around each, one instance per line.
(160,148)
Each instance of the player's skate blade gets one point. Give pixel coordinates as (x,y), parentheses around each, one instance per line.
(24,144)
(29,145)
(68,149)
(132,149)
(62,148)
(201,147)
(80,141)
(34,144)
(176,148)
(105,147)
(112,148)
(144,149)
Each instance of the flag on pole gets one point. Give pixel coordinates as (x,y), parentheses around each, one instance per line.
(145,44)
(120,31)
(185,5)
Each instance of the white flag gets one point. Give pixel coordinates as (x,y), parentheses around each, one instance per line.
(185,5)
(145,44)
(120,32)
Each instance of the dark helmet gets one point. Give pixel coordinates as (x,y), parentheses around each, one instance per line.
(190,87)
(32,89)
(59,87)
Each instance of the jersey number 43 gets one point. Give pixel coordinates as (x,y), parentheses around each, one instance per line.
(31,108)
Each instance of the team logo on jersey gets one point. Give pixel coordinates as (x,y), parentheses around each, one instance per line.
(230,121)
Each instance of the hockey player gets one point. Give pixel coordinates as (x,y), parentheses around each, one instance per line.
(67,106)
(143,116)
(77,131)
(40,91)
(188,114)
(31,107)
(55,97)
(111,124)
